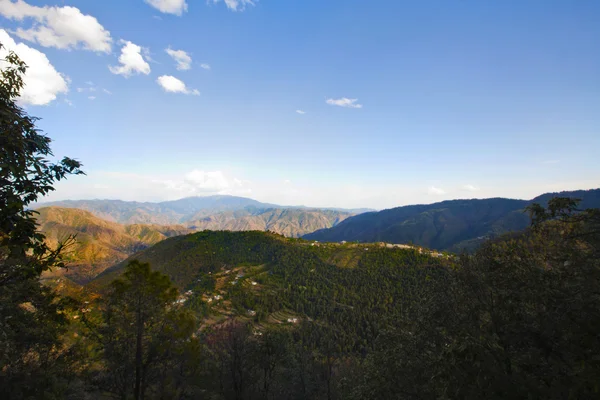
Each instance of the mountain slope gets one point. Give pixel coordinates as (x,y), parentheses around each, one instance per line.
(98,243)
(449,225)
(287,222)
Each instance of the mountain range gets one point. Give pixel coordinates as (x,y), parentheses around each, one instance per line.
(183,211)
(449,225)
(101,242)
(109,231)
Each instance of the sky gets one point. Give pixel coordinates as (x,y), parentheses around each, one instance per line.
(324,103)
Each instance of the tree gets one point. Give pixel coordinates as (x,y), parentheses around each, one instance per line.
(145,334)
(519,319)
(30,320)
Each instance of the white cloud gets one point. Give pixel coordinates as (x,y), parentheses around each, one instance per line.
(106,91)
(61,27)
(205,66)
(344,102)
(237,5)
(131,60)
(301,112)
(183,59)
(92,97)
(69,102)
(435,190)
(470,188)
(42,82)
(287,182)
(176,7)
(173,85)
(203,181)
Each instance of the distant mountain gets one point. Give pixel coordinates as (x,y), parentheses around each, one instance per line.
(99,243)
(172,212)
(449,225)
(163,213)
(290,222)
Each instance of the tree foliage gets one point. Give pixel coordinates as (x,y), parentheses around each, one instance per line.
(30,319)
(145,337)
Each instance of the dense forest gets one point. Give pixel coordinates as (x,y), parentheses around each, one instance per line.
(255,315)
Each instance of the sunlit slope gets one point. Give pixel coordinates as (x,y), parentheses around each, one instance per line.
(98,243)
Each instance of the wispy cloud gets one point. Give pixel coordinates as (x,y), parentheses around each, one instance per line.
(470,188)
(205,66)
(237,5)
(435,190)
(344,102)
(175,7)
(301,112)
(92,97)
(132,186)
(183,59)
(92,88)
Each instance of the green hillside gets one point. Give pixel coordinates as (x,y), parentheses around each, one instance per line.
(345,286)
(449,225)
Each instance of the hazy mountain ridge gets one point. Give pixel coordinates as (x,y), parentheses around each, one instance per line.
(448,225)
(179,211)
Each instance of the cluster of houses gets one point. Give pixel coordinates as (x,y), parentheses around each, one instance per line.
(214,298)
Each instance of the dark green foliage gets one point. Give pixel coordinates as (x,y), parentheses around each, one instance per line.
(520,319)
(144,337)
(31,360)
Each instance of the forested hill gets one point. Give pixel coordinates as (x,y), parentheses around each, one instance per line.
(344,289)
(184,257)
(449,225)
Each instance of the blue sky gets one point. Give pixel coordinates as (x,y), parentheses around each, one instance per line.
(402,101)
